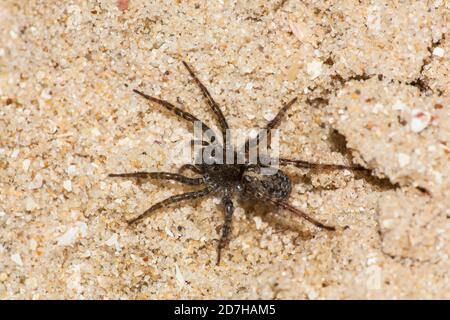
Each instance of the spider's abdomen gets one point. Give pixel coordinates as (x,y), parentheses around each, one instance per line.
(276,186)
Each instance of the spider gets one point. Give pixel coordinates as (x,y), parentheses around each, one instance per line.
(226,180)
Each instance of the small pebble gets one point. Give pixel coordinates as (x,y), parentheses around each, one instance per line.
(314,69)
(67,184)
(113,242)
(68,238)
(17,259)
(403,159)
(30,204)
(258,222)
(72,170)
(179,276)
(26,164)
(36,183)
(420,120)
(439,52)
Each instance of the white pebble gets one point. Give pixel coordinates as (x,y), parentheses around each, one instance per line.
(33,244)
(403,159)
(179,276)
(30,204)
(438,52)
(269,115)
(17,259)
(67,184)
(420,120)
(68,238)
(314,69)
(258,222)
(37,182)
(113,242)
(15,153)
(72,170)
(46,94)
(26,164)
(169,232)
(249,86)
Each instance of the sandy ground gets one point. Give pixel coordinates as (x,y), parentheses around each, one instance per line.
(373,86)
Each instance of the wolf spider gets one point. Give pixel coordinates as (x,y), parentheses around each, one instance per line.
(228,179)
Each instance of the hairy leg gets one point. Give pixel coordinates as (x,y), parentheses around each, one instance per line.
(286,206)
(226,228)
(180,113)
(190,167)
(171,200)
(161,176)
(319,166)
(271,125)
(209,99)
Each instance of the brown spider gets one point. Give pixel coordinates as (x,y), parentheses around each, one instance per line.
(228,179)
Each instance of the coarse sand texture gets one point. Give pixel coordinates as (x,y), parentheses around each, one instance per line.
(372,81)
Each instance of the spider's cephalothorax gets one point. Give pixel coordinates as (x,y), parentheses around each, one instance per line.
(245,180)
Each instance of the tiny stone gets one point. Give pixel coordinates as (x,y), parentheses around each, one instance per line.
(26,164)
(33,244)
(113,242)
(15,153)
(314,69)
(268,115)
(258,222)
(17,259)
(179,276)
(37,182)
(67,185)
(438,52)
(30,204)
(420,120)
(72,170)
(68,238)
(403,159)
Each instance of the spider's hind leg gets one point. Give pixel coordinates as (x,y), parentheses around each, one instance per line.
(226,228)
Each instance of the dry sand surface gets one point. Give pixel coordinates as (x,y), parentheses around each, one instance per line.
(372,80)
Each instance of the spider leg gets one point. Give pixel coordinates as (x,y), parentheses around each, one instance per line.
(319,166)
(271,125)
(226,228)
(170,200)
(180,113)
(303,215)
(209,99)
(287,206)
(190,167)
(161,176)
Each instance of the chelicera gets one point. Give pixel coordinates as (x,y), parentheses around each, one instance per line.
(246,180)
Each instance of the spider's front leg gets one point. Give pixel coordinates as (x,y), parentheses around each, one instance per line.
(190,167)
(226,228)
(161,176)
(171,200)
